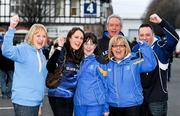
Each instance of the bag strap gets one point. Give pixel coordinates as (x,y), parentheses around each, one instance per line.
(62,62)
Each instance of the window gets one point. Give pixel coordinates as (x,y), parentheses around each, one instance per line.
(60,7)
(15,7)
(73,11)
(75,6)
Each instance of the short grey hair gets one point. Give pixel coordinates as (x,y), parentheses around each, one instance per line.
(114,16)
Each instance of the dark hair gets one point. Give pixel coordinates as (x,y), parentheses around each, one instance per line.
(71,55)
(146,25)
(91,36)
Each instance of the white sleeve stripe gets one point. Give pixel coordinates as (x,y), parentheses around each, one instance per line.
(171,34)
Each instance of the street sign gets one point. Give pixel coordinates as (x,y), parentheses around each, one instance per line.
(90,9)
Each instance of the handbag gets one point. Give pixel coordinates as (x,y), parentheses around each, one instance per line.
(53,78)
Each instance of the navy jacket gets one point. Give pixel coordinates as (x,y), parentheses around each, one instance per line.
(104,43)
(155,82)
(68,83)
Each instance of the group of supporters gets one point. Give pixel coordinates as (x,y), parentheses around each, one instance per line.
(106,76)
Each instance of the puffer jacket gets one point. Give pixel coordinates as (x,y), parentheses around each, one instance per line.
(123,81)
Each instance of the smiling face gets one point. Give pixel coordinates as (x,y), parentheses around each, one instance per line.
(39,39)
(37,36)
(89,48)
(76,40)
(119,50)
(114,26)
(146,34)
(118,47)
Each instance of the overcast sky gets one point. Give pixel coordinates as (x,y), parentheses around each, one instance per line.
(130,8)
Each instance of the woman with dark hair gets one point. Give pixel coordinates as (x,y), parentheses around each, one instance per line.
(71,53)
(89,98)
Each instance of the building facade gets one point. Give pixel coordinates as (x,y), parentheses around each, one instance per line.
(59,16)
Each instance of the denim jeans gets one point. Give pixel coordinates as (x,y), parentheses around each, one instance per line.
(3,78)
(9,84)
(26,110)
(6,87)
(158,108)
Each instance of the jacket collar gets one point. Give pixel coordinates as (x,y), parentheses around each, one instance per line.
(89,57)
(125,59)
(106,34)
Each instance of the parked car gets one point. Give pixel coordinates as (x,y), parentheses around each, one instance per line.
(177,51)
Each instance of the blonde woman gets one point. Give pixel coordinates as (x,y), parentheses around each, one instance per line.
(123,81)
(28,86)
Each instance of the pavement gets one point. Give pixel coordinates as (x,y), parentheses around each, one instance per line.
(6,108)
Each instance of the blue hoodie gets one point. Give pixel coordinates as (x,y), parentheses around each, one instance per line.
(29,76)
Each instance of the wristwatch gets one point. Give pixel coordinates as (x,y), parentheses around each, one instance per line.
(59,48)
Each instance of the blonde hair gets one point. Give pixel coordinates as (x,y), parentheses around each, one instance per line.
(115,39)
(36,28)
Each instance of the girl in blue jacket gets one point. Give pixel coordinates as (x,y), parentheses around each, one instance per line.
(123,81)
(89,98)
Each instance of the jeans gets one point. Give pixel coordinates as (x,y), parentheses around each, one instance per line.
(61,106)
(6,82)
(26,110)
(128,111)
(144,110)
(158,108)
(83,110)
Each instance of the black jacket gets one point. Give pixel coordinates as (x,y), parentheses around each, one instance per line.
(154,83)
(104,43)
(5,63)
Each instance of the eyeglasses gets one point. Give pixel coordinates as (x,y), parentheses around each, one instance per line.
(118,46)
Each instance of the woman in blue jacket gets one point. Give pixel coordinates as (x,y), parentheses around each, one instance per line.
(28,88)
(89,98)
(71,53)
(123,81)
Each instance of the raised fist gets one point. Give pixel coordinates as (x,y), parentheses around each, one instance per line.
(154,18)
(14,20)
